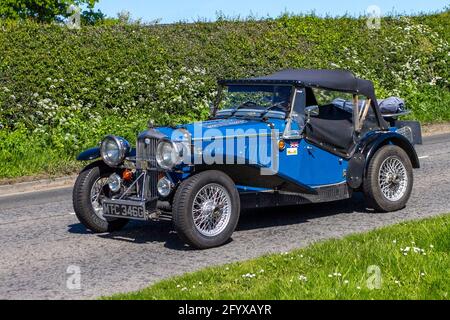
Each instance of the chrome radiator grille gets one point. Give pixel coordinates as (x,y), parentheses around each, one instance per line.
(145,162)
(150,181)
(146,153)
(152,191)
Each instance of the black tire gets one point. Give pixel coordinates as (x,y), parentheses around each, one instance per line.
(374,195)
(183,209)
(82,200)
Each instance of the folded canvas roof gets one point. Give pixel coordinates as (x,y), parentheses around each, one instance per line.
(339,80)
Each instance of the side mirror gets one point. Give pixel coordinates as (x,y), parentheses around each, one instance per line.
(311,111)
(212,109)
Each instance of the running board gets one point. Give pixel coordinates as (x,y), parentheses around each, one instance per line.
(269,199)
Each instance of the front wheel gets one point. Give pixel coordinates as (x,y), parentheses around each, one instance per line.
(389,179)
(89,191)
(206,209)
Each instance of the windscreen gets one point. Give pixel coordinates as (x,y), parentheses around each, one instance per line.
(254,100)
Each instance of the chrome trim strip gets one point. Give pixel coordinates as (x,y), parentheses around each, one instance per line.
(295,193)
(233,137)
(330,185)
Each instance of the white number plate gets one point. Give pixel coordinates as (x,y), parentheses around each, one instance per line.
(125,210)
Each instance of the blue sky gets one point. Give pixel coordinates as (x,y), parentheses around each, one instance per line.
(189,10)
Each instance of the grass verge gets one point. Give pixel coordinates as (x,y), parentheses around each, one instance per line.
(413,260)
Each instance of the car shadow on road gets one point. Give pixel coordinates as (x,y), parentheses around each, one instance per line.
(163,231)
(140,233)
(282,216)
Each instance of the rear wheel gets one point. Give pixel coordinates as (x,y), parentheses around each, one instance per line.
(206,209)
(90,189)
(389,179)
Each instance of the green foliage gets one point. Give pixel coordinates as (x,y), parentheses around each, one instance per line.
(44,10)
(92,17)
(67,88)
(413,260)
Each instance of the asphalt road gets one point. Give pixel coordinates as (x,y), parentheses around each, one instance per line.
(42,242)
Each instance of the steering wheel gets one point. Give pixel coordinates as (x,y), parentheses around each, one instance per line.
(247,104)
(276,105)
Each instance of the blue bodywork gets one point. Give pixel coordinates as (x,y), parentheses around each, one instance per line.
(309,166)
(244,146)
(291,138)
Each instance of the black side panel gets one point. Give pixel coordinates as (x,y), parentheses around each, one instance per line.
(356,169)
(366,150)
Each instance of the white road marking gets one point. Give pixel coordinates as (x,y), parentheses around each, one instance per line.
(72,213)
(424,157)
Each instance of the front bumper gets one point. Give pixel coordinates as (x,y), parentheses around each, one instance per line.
(139,200)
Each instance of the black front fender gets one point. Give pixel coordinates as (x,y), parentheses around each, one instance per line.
(367,148)
(94,153)
(89,155)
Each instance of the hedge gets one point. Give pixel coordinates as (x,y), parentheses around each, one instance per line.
(64,89)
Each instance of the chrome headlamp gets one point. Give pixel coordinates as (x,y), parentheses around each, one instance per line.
(169,154)
(114,150)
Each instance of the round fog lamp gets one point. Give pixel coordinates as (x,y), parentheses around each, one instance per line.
(115,182)
(164,187)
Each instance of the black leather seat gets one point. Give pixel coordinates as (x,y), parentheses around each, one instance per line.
(333,127)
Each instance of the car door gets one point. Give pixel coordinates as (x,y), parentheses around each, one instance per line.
(319,167)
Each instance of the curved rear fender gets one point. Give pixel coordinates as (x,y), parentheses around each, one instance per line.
(395,139)
(367,148)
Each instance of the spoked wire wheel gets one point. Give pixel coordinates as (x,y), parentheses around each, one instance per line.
(389,179)
(211,210)
(89,192)
(97,196)
(393,179)
(206,209)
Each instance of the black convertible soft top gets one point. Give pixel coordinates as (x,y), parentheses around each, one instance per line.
(338,80)
(335,80)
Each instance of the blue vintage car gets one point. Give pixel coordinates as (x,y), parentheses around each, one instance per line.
(290,138)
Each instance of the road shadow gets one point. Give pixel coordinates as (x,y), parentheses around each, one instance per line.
(140,233)
(163,231)
(283,216)
(78,228)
